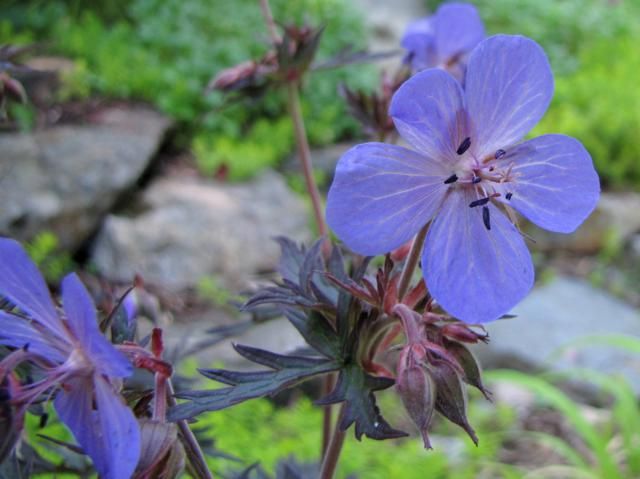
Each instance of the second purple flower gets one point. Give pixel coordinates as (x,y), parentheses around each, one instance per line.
(466,172)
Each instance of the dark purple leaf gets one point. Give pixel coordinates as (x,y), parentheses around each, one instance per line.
(356,388)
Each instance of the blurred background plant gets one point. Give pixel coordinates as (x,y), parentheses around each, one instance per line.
(166,51)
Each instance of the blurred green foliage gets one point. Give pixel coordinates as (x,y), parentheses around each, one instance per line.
(564,28)
(600,105)
(52,261)
(165,52)
(263,433)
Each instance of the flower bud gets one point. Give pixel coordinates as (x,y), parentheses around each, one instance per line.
(162,455)
(451,396)
(470,366)
(417,389)
(464,334)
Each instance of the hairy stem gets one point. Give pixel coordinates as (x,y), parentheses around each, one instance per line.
(327,386)
(192,448)
(304,154)
(335,448)
(411,262)
(268,20)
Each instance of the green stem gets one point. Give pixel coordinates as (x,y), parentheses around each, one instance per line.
(411,262)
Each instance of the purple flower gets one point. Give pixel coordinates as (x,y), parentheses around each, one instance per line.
(74,356)
(466,170)
(444,39)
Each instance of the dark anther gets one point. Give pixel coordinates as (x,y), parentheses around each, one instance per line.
(508,195)
(480,202)
(475,180)
(464,146)
(25,348)
(486,218)
(452,179)
(43,420)
(500,154)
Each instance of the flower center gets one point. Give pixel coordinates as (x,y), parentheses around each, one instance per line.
(480,173)
(78,362)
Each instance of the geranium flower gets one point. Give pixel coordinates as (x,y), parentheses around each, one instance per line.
(444,39)
(76,359)
(465,171)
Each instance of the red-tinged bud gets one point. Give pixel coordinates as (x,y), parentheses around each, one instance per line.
(162,455)
(411,322)
(371,109)
(451,396)
(416,389)
(470,365)
(415,295)
(390,295)
(401,253)
(13,87)
(463,333)
(157,344)
(248,76)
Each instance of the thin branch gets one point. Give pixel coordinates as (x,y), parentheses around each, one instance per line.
(335,448)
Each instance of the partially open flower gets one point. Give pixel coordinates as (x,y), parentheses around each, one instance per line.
(445,39)
(78,364)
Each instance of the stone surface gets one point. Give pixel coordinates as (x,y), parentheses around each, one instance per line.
(190,228)
(65,179)
(557,315)
(616,218)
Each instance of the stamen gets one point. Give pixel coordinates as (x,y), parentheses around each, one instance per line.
(475,180)
(499,154)
(486,218)
(452,179)
(508,195)
(464,146)
(480,202)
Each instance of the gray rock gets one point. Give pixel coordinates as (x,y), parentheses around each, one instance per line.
(192,228)
(557,315)
(615,219)
(65,179)
(634,247)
